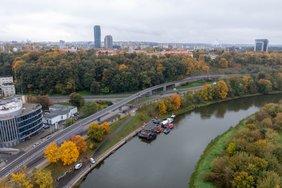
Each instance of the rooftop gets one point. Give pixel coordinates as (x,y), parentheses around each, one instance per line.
(11,107)
(58,109)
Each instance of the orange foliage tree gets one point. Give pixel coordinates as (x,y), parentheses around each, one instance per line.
(79,142)
(221,89)
(106,127)
(68,153)
(51,153)
(176,101)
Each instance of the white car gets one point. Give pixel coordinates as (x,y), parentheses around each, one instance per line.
(92,160)
(78,166)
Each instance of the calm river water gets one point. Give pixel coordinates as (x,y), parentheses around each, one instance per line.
(169,161)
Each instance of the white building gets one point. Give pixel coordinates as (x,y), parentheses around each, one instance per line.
(7,88)
(58,113)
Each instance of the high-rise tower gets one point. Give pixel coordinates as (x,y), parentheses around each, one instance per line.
(261,45)
(97,36)
(108,42)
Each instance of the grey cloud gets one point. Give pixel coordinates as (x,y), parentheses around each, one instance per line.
(228,21)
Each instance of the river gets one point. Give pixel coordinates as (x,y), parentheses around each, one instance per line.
(169,161)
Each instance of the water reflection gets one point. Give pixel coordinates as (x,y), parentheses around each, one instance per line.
(235,105)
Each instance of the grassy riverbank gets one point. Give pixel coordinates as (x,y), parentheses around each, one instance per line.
(227,158)
(213,150)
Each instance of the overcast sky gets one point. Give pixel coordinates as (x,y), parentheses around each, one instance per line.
(186,21)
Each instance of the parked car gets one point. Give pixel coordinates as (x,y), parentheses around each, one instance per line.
(78,166)
(92,160)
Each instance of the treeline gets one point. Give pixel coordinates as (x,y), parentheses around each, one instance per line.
(53,71)
(235,86)
(253,155)
(232,59)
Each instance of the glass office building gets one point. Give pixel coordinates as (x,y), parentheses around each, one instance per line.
(97,36)
(18,121)
(261,45)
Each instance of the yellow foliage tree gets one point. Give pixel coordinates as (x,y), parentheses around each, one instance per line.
(176,101)
(79,142)
(106,127)
(21,180)
(206,92)
(162,107)
(43,178)
(51,153)
(68,153)
(221,89)
(122,67)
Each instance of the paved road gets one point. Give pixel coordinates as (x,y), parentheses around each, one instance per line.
(64,181)
(36,154)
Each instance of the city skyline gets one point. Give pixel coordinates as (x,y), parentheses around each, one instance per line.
(181,21)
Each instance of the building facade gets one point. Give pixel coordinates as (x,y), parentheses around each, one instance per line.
(18,121)
(108,42)
(97,36)
(58,113)
(7,88)
(261,45)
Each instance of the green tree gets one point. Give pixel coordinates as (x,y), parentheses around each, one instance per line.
(264,86)
(76,99)
(95,132)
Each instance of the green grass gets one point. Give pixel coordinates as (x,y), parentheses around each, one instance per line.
(212,151)
(85,93)
(194,84)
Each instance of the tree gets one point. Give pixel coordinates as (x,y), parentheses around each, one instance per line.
(206,93)
(264,86)
(106,127)
(244,180)
(176,101)
(162,107)
(51,153)
(221,89)
(79,142)
(95,132)
(223,63)
(43,178)
(76,99)
(68,152)
(231,148)
(21,180)
(89,108)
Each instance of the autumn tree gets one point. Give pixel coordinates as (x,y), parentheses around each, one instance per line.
(42,178)
(176,101)
(162,107)
(206,93)
(52,153)
(76,99)
(68,153)
(223,63)
(221,89)
(95,132)
(21,179)
(79,142)
(264,86)
(122,67)
(106,127)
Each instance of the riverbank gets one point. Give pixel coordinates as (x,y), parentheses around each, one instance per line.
(219,148)
(213,150)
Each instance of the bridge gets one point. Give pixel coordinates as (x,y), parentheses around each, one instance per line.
(36,155)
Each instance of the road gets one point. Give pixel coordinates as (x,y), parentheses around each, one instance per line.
(35,155)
